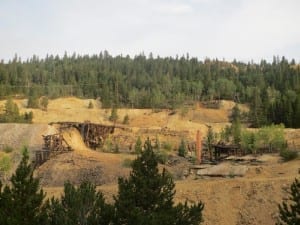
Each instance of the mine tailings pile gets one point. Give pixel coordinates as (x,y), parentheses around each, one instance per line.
(92,134)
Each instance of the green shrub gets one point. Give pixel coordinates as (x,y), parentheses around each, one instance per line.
(182,149)
(114,115)
(5,163)
(167,146)
(108,145)
(44,103)
(138,146)
(116,149)
(90,106)
(288,155)
(7,149)
(162,157)
(184,111)
(126,119)
(127,163)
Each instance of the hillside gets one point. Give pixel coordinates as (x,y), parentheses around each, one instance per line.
(250,199)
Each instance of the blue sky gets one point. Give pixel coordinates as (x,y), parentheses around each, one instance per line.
(245,30)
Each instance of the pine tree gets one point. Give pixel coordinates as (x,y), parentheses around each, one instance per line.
(82,206)
(296,120)
(114,115)
(22,201)
(146,197)
(236,124)
(236,114)
(126,119)
(182,149)
(11,112)
(256,113)
(210,138)
(44,103)
(290,211)
(138,146)
(33,101)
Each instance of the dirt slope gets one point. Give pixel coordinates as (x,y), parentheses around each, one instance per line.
(19,135)
(250,200)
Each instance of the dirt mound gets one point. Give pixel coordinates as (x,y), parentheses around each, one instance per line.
(74,168)
(77,166)
(74,139)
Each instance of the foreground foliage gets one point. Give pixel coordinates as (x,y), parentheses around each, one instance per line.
(290,210)
(146,197)
(83,205)
(22,201)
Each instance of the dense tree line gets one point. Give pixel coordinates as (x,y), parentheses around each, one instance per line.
(145,197)
(271,89)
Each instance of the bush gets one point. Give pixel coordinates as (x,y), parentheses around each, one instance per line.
(5,163)
(33,102)
(114,115)
(184,111)
(138,146)
(44,103)
(127,163)
(167,146)
(8,149)
(162,157)
(108,145)
(116,149)
(182,149)
(91,106)
(12,115)
(288,155)
(126,119)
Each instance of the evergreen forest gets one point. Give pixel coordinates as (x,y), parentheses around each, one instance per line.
(271,89)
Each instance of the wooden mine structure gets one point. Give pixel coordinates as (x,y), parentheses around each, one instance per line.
(54,144)
(222,151)
(41,156)
(199,150)
(92,134)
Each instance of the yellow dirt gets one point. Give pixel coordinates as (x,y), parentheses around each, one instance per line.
(252,199)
